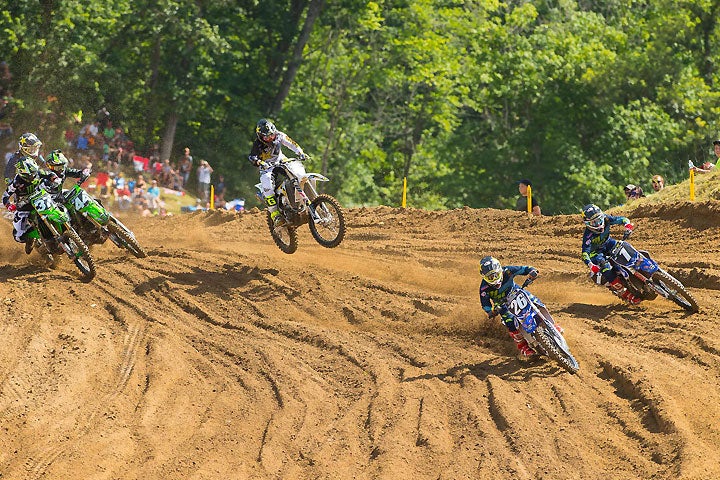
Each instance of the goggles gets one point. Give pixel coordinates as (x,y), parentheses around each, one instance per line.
(269,138)
(31,150)
(595,222)
(493,277)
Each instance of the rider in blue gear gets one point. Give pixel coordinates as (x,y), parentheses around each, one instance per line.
(597,243)
(495,285)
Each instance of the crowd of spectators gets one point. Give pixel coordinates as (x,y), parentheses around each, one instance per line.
(111,152)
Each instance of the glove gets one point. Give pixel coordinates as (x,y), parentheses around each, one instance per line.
(533,274)
(498,310)
(629,227)
(86,172)
(302,157)
(11,207)
(594,268)
(254,160)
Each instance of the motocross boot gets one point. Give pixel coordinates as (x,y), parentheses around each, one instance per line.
(619,289)
(522,345)
(29,244)
(278,220)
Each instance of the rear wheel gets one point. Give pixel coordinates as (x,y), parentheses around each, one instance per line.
(128,240)
(554,350)
(81,256)
(672,289)
(328,224)
(285,237)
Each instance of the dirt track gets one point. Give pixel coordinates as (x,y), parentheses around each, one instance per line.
(219,357)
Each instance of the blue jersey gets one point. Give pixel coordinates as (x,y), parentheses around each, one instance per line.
(490,295)
(594,243)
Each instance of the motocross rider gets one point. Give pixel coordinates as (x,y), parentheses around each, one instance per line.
(266,153)
(495,285)
(57,164)
(28,146)
(28,178)
(597,243)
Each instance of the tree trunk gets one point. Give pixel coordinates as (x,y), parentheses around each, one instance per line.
(313,13)
(151,118)
(169,135)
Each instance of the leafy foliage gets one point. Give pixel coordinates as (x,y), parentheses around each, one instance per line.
(460,98)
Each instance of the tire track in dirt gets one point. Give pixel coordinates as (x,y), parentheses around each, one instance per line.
(37,464)
(371,360)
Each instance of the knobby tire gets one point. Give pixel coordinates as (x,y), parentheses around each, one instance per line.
(681,296)
(85,263)
(340,218)
(566,360)
(128,240)
(289,246)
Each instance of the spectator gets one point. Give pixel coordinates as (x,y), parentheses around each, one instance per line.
(203,174)
(108,132)
(185,165)
(633,192)
(103,117)
(153,196)
(658,182)
(70,137)
(167,175)
(220,192)
(140,183)
(177,182)
(82,142)
(706,166)
(522,202)
(106,187)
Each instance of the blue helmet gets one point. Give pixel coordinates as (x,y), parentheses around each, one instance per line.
(491,271)
(594,218)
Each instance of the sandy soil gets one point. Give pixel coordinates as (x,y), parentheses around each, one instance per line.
(220,357)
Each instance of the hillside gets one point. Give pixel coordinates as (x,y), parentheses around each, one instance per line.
(219,357)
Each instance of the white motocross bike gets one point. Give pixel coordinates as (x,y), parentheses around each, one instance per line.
(299,202)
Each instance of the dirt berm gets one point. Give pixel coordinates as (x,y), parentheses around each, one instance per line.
(220,357)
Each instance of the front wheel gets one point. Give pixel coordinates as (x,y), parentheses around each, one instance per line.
(672,289)
(127,239)
(557,349)
(80,255)
(327,222)
(285,237)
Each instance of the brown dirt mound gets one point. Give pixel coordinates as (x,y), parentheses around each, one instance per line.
(220,357)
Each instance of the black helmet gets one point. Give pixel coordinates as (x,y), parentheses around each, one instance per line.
(27,169)
(491,271)
(594,218)
(56,161)
(265,129)
(29,145)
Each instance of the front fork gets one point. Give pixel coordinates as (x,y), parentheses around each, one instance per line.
(57,235)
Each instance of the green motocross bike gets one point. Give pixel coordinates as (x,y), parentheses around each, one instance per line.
(95,223)
(53,234)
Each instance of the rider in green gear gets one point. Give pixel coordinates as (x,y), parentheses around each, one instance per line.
(57,163)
